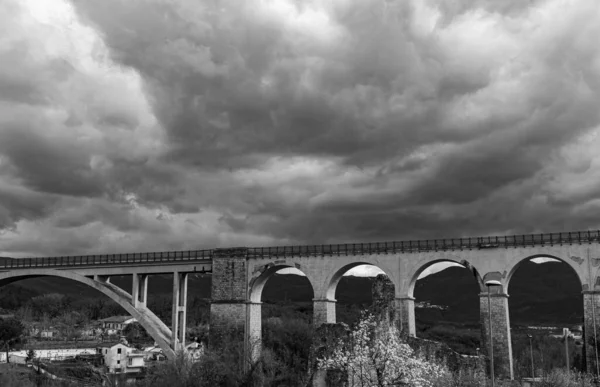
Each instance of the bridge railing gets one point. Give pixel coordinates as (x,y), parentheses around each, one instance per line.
(479,243)
(490,242)
(107,259)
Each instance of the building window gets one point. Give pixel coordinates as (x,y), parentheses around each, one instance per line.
(129,361)
(118,362)
(119,351)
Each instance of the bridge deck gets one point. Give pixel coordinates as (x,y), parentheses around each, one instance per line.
(201,256)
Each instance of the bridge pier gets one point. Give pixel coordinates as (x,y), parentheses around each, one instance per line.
(501,339)
(179,314)
(323,312)
(405,312)
(253,339)
(233,319)
(139,290)
(591,315)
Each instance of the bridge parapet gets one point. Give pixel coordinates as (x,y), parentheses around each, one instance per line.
(473,243)
(164,257)
(330,250)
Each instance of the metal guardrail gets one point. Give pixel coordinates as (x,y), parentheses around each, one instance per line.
(491,242)
(108,259)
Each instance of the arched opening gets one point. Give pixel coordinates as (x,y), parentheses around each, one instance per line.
(351,287)
(545,297)
(151,323)
(285,296)
(446,294)
(160,302)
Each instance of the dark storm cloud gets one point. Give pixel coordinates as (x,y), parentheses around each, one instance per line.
(175,124)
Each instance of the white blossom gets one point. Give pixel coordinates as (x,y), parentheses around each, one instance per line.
(375,356)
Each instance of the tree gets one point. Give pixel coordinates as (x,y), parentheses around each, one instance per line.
(136,334)
(375,356)
(51,304)
(11,332)
(67,324)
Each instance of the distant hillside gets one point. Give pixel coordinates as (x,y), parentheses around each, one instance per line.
(539,293)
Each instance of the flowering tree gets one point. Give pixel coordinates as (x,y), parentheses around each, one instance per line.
(375,356)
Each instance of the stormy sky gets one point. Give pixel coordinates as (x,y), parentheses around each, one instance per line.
(130,125)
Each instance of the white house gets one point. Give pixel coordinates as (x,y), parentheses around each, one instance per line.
(119,358)
(154,352)
(115,324)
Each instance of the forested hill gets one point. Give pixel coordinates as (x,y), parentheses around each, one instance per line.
(539,293)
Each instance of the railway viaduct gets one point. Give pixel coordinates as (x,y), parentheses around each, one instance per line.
(240,274)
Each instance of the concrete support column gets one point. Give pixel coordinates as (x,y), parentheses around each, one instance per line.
(178,316)
(229,310)
(139,290)
(323,312)
(591,318)
(253,339)
(405,315)
(501,340)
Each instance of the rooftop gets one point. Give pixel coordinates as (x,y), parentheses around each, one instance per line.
(110,344)
(116,319)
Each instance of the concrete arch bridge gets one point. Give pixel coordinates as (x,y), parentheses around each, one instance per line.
(240,274)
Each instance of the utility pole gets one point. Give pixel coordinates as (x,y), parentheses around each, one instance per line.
(531,352)
(566,333)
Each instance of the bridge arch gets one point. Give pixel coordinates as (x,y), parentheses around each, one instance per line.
(153,325)
(334,279)
(515,266)
(258,282)
(254,323)
(425,266)
(529,286)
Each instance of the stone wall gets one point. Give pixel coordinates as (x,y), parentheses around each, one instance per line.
(228,309)
(229,281)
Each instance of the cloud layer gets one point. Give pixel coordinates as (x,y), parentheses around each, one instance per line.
(159,125)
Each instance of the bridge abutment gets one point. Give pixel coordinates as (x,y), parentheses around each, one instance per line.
(501,339)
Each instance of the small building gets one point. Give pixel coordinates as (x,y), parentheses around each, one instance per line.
(135,361)
(120,358)
(48,333)
(89,331)
(115,324)
(153,353)
(44,333)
